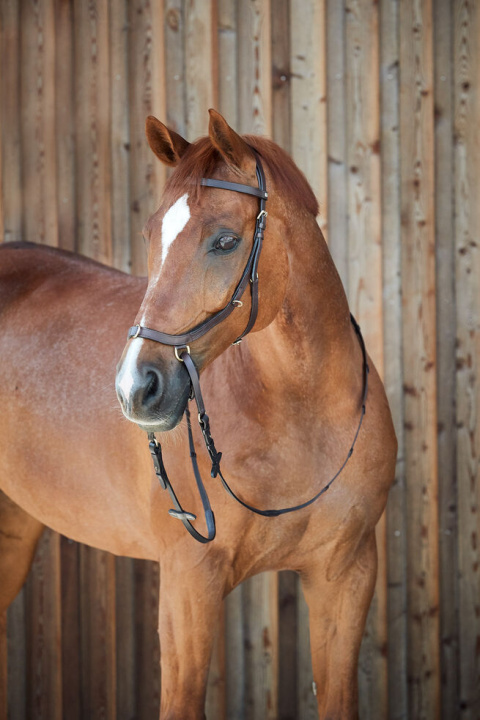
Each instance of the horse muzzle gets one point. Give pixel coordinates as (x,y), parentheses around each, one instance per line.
(151,394)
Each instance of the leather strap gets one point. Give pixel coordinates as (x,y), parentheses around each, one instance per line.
(250,273)
(237,187)
(178,512)
(216,457)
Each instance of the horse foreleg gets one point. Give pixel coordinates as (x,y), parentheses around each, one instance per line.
(338,595)
(190,602)
(19,534)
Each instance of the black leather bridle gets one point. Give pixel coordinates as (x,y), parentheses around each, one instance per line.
(182,352)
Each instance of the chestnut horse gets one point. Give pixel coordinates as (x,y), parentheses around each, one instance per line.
(285,409)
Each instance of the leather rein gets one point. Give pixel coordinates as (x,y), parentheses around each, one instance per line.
(182,353)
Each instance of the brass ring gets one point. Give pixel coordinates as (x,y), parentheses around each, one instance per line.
(181,347)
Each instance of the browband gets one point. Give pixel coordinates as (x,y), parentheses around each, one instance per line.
(238,187)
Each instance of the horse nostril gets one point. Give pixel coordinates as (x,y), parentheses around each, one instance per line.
(152,387)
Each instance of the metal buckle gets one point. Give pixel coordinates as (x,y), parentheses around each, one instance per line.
(139,327)
(182,515)
(181,347)
(262,213)
(237,303)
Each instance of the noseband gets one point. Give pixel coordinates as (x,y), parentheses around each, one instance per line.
(182,353)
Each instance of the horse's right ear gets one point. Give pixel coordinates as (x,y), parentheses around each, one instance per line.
(167,145)
(234,149)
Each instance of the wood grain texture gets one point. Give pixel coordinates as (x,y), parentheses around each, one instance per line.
(70,612)
(392,343)
(92,129)
(175,66)
(419,354)
(365,286)
(309,97)
(337,138)
(9,115)
(98,649)
(37,123)
(146,97)
(44,685)
(254,67)
(228,61)
(3,667)
(200,64)
(120,135)
(467,273)
(446,322)
(147,650)
(65,123)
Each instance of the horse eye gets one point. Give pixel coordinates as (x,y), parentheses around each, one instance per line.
(226,243)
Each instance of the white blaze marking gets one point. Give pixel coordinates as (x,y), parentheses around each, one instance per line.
(129,367)
(173,223)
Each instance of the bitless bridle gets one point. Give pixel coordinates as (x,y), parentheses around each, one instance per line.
(181,347)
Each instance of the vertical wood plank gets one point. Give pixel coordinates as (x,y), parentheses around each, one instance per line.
(147,650)
(146,97)
(120,135)
(201,84)
(65,123)
(365,286)
(392,329)
(419,355)
(37,122)
(235,655)
(44,671)
(337,137)
(97,603)
(281,74)
(17,658)
(309,97)
(261,646)
(216,701)
(467,220)
(288,646)
(3,666)
(175,65)
(9,115)
(254,67)
(446,323)
(227,61)
(92,128)
(71,649)
(307,707)
(125,637)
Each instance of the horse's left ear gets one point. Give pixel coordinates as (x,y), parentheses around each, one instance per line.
(231,146)
(167,145)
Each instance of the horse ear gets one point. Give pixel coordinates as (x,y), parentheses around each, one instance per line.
(167,145)
(230,145)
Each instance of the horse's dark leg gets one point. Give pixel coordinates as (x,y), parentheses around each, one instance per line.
(190,601)
(19,534)
(338,594)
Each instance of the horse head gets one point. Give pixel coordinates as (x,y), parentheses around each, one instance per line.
(199,245)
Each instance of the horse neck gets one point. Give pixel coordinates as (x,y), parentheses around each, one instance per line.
(310,347)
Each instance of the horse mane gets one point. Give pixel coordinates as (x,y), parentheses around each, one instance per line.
(201,160)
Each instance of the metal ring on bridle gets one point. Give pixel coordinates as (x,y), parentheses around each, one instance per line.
(181,347)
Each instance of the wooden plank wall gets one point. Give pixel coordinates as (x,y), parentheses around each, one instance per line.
(379,105)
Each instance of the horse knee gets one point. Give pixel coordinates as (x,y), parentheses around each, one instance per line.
(19,534)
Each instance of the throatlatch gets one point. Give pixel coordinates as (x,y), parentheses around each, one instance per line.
(182,353)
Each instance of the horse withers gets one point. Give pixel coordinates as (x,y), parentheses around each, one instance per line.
(286,403)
